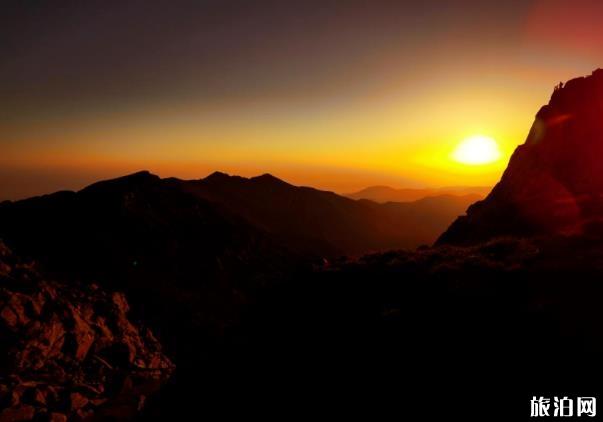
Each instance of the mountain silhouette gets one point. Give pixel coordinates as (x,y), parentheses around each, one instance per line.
(319,222)
(388,194)
(189,253)
(194,257)
(224,271)
(554,181)
(220,218)
(132,224)
(184,262)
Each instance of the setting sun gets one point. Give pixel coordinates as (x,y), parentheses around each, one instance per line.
(477,150)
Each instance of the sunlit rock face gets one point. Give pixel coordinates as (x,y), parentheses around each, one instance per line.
(554,182)
(69,352)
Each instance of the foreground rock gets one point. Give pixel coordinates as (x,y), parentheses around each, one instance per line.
(70,352)
(554,182)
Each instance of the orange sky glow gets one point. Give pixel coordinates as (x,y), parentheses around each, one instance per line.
(390,113)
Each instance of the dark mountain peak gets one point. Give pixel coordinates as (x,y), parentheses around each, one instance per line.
(140,178)
(223,179)
(554,181)
(268,178)
(265,179)
(139,175)
(142,173)
(370,190)
(218,175)
(384,194)
(573,95)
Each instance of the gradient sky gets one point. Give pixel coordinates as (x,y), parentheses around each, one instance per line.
(335,94)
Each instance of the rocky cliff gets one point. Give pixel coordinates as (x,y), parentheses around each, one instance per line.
(554,181)
(70,352)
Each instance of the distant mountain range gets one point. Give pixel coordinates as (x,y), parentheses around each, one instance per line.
(384,194)
(320,222)
(157,238)
(222,216)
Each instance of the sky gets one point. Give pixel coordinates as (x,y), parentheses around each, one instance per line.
(339,95)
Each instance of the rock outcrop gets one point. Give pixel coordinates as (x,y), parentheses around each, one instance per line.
(69,352)
(554,181)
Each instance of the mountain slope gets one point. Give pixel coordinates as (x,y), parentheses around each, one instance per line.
(554,181)
(134,224)
(185,264)
(320,222)
(141,224)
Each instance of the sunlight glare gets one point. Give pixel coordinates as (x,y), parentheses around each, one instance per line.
(477,150)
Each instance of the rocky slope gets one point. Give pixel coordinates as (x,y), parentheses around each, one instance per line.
(554,181)
(70,352)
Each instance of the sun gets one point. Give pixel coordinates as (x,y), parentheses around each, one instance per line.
(477,150)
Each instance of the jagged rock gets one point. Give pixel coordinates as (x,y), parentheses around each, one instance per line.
(18,413)
(77,401)
(554,181)
(57,417)
(69,348)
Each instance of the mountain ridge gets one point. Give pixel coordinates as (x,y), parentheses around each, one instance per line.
(310,216)
(384,193)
